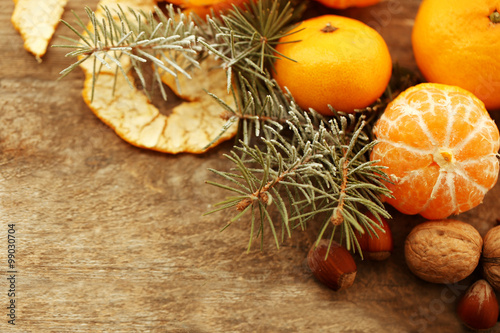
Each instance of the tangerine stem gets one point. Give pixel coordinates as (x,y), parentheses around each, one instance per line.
(448,156)
(329,28)
(495,17)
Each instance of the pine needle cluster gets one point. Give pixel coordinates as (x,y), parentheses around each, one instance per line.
(289,167)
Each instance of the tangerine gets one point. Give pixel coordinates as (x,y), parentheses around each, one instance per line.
(439,145)
(337,60)
(342,4)
(459,45)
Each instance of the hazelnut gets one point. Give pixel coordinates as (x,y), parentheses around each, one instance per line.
(478,308)
(378,244)
(332,265)
(444,251)
(491,257)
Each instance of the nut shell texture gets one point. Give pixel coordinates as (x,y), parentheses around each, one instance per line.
(491,257)
(378,245)
(478,308)
(338,270)
(444,251)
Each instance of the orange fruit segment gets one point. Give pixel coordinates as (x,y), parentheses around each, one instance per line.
(459,45)
(36,21)
(439,145)
(338,61)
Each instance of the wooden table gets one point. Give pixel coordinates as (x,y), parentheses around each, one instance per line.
(111,238)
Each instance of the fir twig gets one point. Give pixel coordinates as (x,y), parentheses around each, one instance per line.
(311,169)
(291,167)
(245,40)
(134,39)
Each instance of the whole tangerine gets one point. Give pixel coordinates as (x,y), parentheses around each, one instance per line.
(342,4)
(338,61)
(439,146)
(459,45)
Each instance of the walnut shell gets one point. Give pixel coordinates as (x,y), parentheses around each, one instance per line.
(444,251)
(491,257)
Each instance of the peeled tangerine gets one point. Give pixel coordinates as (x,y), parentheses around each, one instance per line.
(440,147)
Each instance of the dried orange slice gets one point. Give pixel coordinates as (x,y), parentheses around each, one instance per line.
(36,21)
(440,147)
(114,8)
(189,127)
(209,77)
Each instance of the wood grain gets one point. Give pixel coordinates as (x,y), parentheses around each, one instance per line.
(111,238)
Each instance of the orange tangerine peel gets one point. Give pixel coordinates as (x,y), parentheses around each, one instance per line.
(338,61)
(36,21)
(460,46)
(439,146)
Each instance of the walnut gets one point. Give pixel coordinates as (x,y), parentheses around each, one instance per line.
(444,251)
(491,257)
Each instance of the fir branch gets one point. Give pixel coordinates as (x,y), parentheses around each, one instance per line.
(310,169)
(172,42)
(290,167)
(133,39)
(245,39)
(257,103)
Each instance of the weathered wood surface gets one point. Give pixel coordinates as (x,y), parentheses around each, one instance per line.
(111,238)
